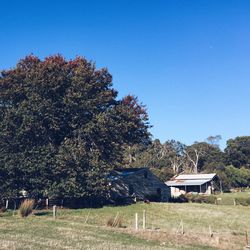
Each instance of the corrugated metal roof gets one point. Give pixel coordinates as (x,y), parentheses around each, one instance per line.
(187,182)
(195,176)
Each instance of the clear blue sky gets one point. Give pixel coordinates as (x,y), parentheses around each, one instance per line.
(188,61)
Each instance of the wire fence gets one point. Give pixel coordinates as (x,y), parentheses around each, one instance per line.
(145,221)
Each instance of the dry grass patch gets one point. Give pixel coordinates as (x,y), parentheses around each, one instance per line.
(115,221)
(26,208)
(191,240)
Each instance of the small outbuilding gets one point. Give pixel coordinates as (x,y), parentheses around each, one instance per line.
(192,183)
(136,184)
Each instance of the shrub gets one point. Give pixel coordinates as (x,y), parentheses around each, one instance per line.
(114,222)
(180,199)
(201,198)
(26,208)
(195,198)
(238,177)
(3,209)
(191,197)
(209,199)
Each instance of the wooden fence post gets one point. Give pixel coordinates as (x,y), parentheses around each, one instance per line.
(86,220)
(210,232)
(182,227)
(54,211)
(136,221)
(144,220)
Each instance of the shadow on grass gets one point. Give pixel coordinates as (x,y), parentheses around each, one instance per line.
(42,213)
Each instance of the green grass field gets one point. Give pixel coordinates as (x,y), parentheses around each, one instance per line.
(87,229)
(228,198)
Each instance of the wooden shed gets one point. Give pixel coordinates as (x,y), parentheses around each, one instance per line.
(136,184)
(192,183)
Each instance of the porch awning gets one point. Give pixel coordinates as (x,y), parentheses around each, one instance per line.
(177,183)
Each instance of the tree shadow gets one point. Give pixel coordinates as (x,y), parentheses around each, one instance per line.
(42,213)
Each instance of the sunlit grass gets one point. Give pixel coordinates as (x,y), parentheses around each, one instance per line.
(87,228)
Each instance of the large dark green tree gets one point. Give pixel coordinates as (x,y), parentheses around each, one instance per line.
(238,152)
(62,127)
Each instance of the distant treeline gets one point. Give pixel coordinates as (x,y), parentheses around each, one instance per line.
(172,157)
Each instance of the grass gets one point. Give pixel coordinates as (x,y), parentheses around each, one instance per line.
(228,198)
(26,208)
(86,228)
(45,233)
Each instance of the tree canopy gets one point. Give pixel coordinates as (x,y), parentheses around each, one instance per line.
(238,151)
(62,127)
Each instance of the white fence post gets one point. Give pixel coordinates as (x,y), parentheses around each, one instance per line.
(136,222)
(7,204)
(47,203)
(144,220)
(54,211)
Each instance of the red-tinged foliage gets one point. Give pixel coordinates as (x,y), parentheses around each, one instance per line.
(137,108)
(28,62)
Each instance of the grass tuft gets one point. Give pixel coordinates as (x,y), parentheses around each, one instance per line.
(114,222)
(26,208)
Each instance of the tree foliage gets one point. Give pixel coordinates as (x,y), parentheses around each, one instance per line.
(62,127)
(203,157)
(156,155)
(238,152)
(172,157)
(232,177)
